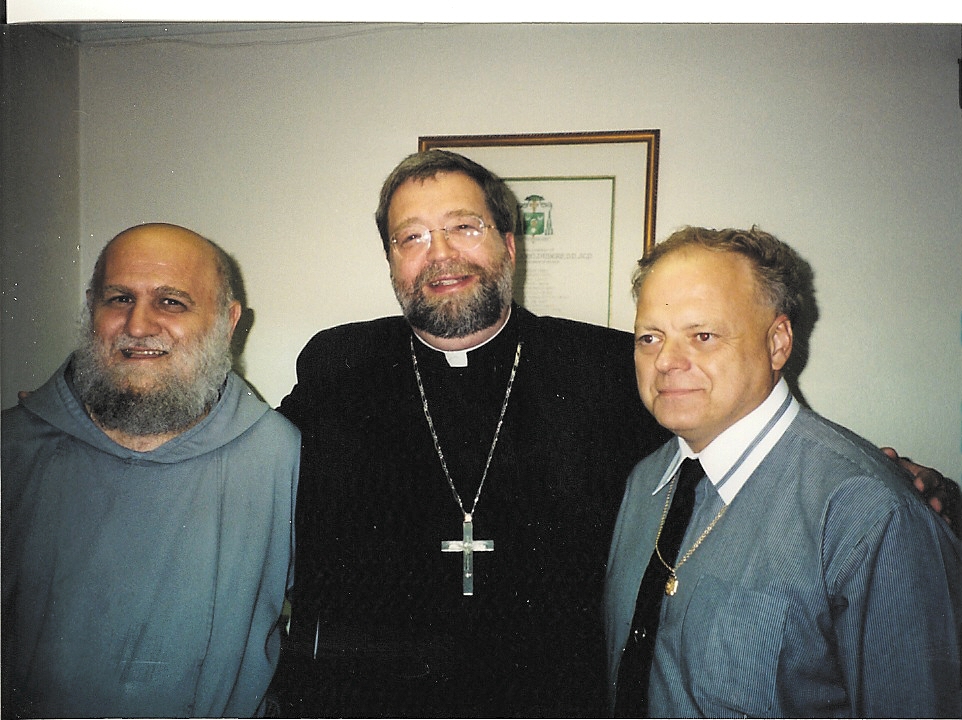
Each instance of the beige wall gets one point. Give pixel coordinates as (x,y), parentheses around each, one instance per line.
(39,209)
(845,141)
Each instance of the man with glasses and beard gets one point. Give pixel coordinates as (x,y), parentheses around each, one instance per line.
(463,465)
(147,503)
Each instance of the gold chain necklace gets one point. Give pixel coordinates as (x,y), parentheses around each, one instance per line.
(671,587)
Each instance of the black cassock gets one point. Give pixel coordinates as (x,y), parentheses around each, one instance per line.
(380,625)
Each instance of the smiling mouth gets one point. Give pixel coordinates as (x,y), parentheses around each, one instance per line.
(449,281)
(141,353)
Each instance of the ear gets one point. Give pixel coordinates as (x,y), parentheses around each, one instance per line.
(780,341)
(509,244)
(234,312)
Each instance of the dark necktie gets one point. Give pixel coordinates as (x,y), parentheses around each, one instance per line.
(631,699)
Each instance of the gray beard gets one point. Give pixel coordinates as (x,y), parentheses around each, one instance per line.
(177,401)
(458,317)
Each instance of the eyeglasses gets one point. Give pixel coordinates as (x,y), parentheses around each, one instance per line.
(464,232)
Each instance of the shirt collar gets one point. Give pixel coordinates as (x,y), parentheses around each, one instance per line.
(459,358)
(731,458)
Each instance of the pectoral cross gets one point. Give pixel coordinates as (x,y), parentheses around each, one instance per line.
(467,547)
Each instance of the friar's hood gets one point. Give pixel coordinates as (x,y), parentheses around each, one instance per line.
(235,412)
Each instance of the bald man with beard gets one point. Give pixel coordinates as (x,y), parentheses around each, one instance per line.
(147,503)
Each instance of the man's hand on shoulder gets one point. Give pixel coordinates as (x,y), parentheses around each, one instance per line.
(941,493)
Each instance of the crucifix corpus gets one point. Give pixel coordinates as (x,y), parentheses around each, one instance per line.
(467,547)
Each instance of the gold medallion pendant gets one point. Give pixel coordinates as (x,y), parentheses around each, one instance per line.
(671,587)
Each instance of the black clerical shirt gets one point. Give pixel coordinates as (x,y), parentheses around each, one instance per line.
(396,635)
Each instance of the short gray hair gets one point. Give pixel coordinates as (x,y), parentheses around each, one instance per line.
(782,276)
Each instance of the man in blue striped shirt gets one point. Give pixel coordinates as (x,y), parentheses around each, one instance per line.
(811,580)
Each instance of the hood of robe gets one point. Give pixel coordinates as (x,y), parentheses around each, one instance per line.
(235,412)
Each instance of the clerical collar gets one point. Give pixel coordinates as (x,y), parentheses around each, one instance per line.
(731,458)
(459,358)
